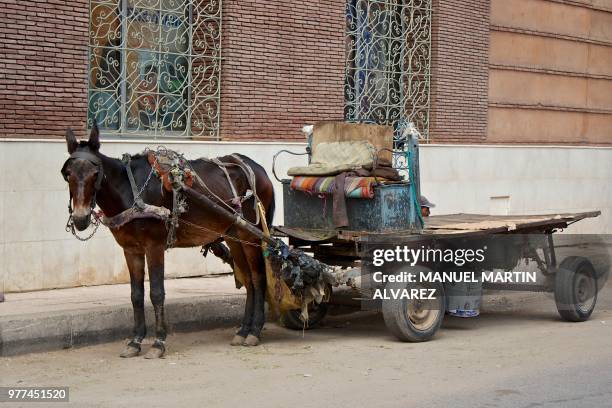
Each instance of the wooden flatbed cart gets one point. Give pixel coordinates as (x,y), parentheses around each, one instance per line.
(574,280)
(391,216)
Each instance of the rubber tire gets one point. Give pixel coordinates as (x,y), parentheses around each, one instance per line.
(565,280)
(396,316)
(291,319)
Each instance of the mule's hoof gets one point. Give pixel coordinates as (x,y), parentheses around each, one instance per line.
(130,351)
(154,353)
(251,341)
(157,350)
(238,340)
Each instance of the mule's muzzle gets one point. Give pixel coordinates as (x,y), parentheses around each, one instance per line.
(81,222)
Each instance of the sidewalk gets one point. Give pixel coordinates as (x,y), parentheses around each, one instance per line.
(63,318)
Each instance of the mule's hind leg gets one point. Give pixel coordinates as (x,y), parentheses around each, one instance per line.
(258,278)
(241,267)
(247,319)
(136,265)
(155,264)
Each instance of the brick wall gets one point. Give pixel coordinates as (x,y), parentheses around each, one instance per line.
(460,70)
(283,67)
(43,67)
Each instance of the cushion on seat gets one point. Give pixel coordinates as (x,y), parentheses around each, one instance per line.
(330,158)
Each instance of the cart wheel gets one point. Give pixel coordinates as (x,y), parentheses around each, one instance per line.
(414,319)
(575,289)
(291,319)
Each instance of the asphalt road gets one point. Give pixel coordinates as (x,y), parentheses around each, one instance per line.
(517,354)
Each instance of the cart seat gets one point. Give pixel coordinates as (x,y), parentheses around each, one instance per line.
(358,158)
(338,147)
(331,158)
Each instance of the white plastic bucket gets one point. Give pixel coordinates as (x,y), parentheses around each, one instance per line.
(463,298)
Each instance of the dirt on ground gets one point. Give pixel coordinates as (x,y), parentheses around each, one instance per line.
(518,353)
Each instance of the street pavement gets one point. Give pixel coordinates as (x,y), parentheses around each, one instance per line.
(518,353)
(63,318)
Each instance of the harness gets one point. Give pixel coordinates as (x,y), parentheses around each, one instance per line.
(237,201)
(172,169)
(166,164)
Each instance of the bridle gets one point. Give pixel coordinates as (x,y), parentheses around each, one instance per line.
(116,221)
(96,161)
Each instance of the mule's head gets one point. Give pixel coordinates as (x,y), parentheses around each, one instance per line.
(83,173)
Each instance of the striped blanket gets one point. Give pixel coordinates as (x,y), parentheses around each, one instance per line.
(354,187)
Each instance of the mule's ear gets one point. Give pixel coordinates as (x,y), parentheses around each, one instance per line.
(94,137)
(71,141)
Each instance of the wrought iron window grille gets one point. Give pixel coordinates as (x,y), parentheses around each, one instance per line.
(155,67)
(388,54)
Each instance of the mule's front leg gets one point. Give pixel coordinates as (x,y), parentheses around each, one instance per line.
(155,263)
(136,265)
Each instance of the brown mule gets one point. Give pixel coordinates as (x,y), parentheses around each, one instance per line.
(94,178)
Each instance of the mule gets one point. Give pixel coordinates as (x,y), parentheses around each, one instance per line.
(94,178)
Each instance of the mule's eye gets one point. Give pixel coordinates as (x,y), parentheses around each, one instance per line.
(66,174)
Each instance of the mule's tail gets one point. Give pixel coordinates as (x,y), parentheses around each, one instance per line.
(270,210)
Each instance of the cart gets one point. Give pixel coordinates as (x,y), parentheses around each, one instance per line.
(573,278)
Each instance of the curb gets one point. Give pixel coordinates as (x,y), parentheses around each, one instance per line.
(38,332)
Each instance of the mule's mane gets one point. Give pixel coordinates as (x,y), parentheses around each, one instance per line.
(138,156)
(144,155)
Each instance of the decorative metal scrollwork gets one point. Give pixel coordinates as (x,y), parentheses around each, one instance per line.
(388,48)
(154,67)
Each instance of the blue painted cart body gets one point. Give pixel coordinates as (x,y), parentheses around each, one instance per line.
(391,209)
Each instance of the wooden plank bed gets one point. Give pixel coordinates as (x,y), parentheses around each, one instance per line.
(453,225)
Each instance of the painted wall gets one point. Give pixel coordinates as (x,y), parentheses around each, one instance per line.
(550,78)
(510,180)
(36,252)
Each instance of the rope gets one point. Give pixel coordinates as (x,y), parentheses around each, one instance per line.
(225,236)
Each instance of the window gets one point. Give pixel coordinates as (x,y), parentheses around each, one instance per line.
(154,67)
(388,62)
